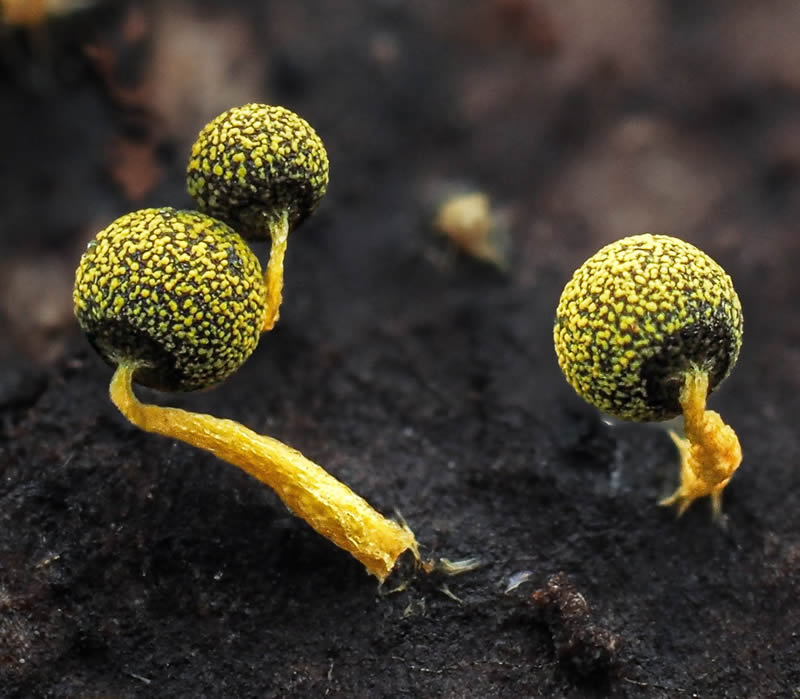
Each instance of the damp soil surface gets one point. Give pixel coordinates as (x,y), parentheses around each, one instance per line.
(134,566)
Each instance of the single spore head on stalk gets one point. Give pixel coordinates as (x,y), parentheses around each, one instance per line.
(645,330)
(176,300)
(254,164)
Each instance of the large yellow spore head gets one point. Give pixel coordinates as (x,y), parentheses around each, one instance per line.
(177,293)
(639,314)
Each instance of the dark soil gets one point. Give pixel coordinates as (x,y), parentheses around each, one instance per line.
(132,566)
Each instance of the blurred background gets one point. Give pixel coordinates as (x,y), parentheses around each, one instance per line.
(582,121)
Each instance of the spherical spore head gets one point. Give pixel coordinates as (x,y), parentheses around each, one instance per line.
(636,316)
(254,163)
(178,292)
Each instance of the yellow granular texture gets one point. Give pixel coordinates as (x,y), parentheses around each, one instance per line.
(177,291)
(253,163)
(636,316)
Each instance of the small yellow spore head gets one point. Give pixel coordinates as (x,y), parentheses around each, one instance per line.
(253,164)
(178,293)
(639,314)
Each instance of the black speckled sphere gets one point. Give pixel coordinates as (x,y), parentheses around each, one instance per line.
(253,164)
(177,292)
(639,314)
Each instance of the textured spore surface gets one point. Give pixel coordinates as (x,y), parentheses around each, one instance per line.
(253,163)
(177,291)
(636,315)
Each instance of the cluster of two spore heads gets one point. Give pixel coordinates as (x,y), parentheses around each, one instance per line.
(176,300)
(179,294)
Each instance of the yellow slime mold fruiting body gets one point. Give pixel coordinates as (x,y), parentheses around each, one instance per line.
(645,330)
(262,169)
(176,300)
